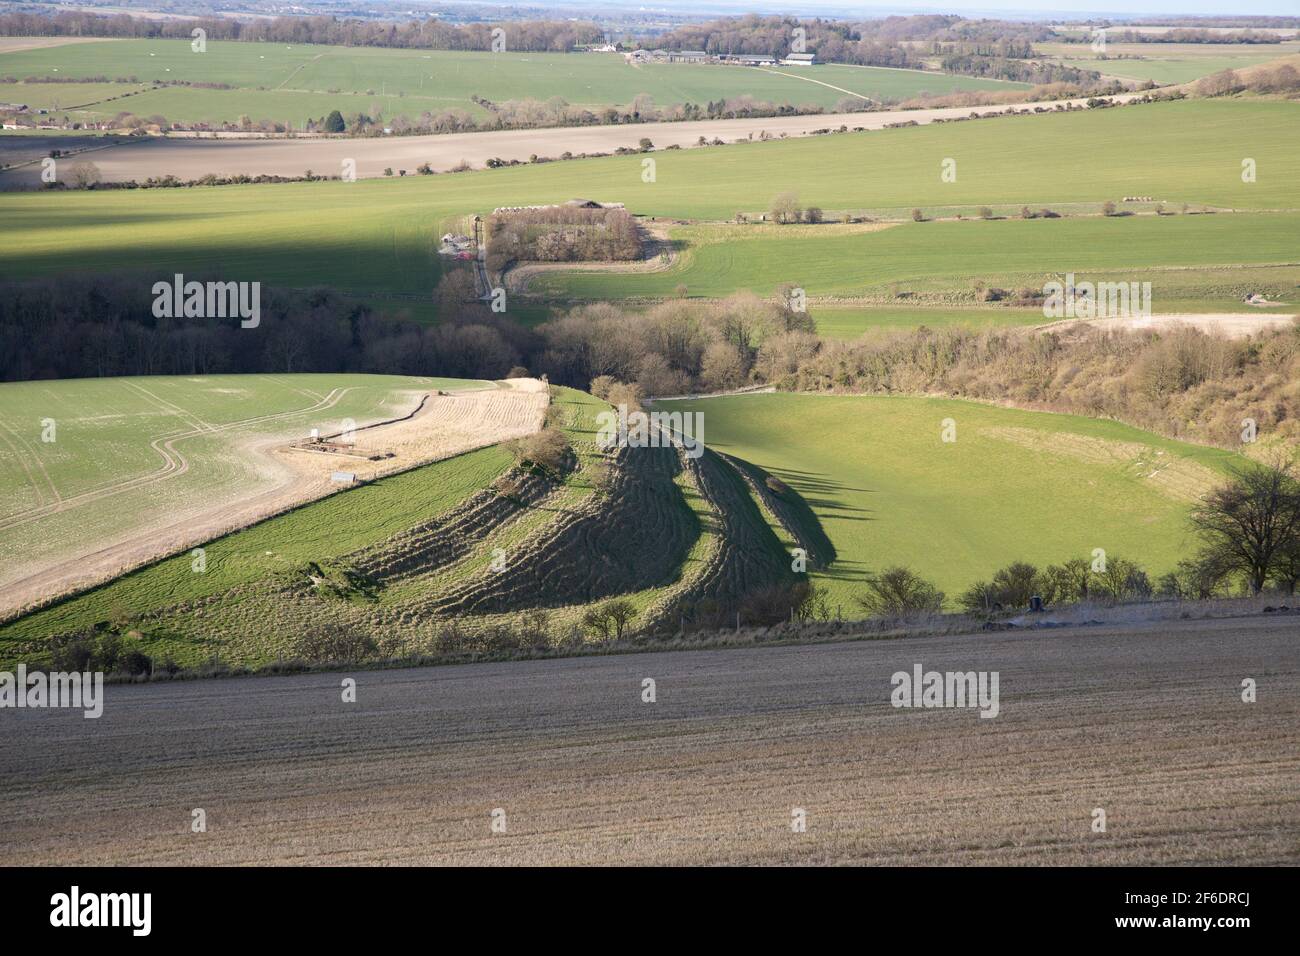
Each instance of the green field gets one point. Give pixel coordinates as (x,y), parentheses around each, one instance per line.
(104,472)
(379,235)
(945,256)
(294,83)
(1014,485)
(1165,62)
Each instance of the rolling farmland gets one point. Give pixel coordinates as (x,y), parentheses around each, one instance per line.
(602,477)
(379,235)
(1165,62)
(484,546)
(294,83)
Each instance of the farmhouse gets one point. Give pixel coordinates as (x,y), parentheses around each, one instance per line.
(800,59)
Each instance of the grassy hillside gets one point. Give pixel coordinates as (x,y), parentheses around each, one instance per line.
(317,532)
(1014,485)
(293,83)
(378,235)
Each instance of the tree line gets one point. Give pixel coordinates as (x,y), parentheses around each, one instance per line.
(1181,383)
(535,36)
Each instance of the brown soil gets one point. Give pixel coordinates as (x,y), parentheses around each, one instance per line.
(1144,721)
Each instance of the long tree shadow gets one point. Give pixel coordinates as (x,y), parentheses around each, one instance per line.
(822,493)
(784,494)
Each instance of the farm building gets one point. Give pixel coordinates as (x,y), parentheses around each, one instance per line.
(573,203)
(800,59)
(688,56)
(748,59)
(457,245)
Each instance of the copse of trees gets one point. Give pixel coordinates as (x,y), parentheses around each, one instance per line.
(1260,79)
(989,48)
(90,327)
(1109,580)
(562,234)
(1183,383)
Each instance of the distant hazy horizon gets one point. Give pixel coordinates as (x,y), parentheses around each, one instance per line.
(1036,9)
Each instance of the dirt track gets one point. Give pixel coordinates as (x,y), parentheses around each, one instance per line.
(1144,721)
(193,158)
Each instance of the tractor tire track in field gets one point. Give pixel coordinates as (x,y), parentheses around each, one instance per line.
(297,69)
(174,465)
(809,79)
(26,456)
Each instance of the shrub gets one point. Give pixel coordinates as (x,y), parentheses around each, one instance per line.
(333,644)
(776,485)
(899,591)
(547,449)
(609,621)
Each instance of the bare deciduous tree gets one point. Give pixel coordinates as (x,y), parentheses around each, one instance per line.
(1250,522)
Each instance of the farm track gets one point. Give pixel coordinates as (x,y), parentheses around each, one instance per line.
(1144,721)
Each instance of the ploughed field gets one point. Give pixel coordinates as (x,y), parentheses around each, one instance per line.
(1144,722)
